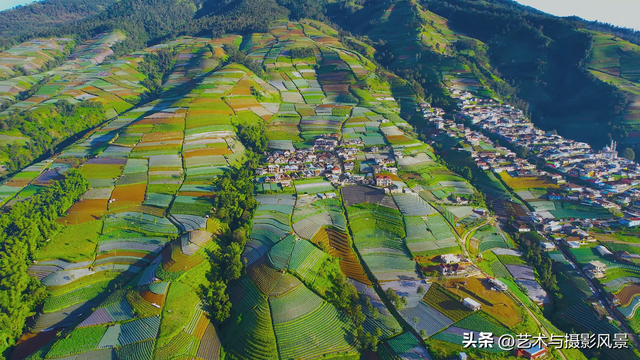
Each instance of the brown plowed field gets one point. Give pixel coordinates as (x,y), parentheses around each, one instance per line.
(496,303)
(30,342)
(152,298)
(128,195)
(201,326)
(264,276)
(338,244)
(85,210)
(628,293)
(174,260)
(159,136)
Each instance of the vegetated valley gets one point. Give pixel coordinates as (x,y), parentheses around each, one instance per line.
(276,179)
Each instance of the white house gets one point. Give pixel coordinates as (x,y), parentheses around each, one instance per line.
(547,246)
(449,259)
(630,222)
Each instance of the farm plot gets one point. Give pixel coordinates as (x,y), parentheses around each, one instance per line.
(306,260)
(406,346)
(524,183)
(535,291)
(294,304)
(81,340)
(357,194)
(628,293)
(439,227)
(313,186)
(497,304)
(415,162)
(340,247)
(582,315)
(422,242)
(264,276)
(489,238)
(446,303)
(482,322)
(321,332)
(584,255)
(367,217)
(429,319)
(253,337)
(524,272)
(412,205)
(269,226)
(139,222)
(377,232)
(280,254)
(566,210)
(308,219)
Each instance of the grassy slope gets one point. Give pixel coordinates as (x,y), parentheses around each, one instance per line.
(617,62)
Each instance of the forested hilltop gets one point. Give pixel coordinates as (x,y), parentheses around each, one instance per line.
(26,20)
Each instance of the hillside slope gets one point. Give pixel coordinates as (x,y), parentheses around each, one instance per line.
(32,18)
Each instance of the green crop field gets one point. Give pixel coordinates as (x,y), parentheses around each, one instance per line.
(73,243)
(447,303)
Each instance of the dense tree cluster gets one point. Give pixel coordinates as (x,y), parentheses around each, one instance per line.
(48,128)
(535,255)
(253,137)
(234,55)
(22,22)
(234,197)
(155,66)
(23,230)
(301,52)
(233,206)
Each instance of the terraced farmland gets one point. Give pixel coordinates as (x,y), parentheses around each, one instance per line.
(129,272)
(422,237)
(340,247)
(308,219)
(378,233)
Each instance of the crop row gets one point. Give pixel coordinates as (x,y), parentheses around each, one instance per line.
(446,303)
(323,331)
(293,304)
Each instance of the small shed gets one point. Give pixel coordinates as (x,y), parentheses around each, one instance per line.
(471,304)
(603,250)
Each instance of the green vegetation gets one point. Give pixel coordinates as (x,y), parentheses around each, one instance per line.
(65,118)
(530,245)
(73,243)
(179,305)
(79,341)
(446,302)
(25,229)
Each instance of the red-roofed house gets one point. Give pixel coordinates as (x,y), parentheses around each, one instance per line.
(383,181)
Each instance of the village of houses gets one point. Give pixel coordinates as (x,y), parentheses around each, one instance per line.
(597,179)
(332,159)
(593,178)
